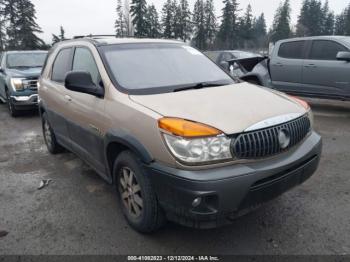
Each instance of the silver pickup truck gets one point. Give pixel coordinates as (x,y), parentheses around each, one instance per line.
(312,66)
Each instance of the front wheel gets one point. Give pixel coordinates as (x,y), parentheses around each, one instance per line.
(12,110)
(137,197)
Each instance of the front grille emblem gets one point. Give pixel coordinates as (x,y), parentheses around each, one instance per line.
(284,138)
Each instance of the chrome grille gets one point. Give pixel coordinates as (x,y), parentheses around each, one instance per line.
(266,142)
(31,84)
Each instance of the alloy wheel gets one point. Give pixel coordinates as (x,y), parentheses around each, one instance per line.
(130,192)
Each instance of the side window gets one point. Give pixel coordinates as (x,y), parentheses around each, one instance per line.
(62,65)
(325,50)
(226,57)
(84,61)
(292,50)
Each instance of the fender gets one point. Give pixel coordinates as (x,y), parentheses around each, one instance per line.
(124,138)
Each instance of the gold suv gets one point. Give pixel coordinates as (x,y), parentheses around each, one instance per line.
(178,137)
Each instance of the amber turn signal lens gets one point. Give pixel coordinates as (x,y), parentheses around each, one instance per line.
(187,128)
(301,102)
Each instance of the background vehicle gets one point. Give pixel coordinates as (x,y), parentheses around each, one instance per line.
(312,66)
(249,67)
(19,73)
(182,140)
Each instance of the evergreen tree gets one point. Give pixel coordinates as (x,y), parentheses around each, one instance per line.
(168,15)
(199,39)
(2,26)
(311,19)
(260,31)
(281,25)
(227,35)
(210,24)
(152,20)
(340,23)
(347,21)
(246,29)
(138,11)
(327,20)
(60,37)
(176,10)
(120,23)
(185,29)
(26,27)
(10,16)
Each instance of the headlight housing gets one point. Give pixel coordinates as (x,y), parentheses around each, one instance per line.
(199,150)
(194,143)
(17,84)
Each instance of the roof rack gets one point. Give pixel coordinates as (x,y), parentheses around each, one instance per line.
(92,36)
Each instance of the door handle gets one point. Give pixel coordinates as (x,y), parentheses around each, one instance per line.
(68,98)
(311,65)
(278,64)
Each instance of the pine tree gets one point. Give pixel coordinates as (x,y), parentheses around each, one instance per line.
(327,20)
(199,38)
(347,21)
(10,15)
(281,25)
(210,24)
(177,23)
(168,19)
(2,26)
(185,29)
(340,23)
(260,31)
(120,23)
(138,11)
(227,36)
(60,37)
(152,21)
(27,28)
(246,28)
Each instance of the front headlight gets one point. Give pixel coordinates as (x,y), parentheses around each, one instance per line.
(199,150)
(195,143)
(17,84)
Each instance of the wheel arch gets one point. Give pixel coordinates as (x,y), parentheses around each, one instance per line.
(117,141)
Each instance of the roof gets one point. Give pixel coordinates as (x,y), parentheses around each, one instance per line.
(111,40)
(25,51)
(326,37)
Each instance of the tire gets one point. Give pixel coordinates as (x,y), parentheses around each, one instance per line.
(12,110)
(49,136)
(137,197)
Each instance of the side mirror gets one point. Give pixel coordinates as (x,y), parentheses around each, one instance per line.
(343,56)
(224,65)
(81,81)
(1,70)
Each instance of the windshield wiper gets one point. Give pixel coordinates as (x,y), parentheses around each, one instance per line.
(200,86)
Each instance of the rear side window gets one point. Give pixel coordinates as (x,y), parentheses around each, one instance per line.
(84,61)
(325,50)
(292,50)
(62,65)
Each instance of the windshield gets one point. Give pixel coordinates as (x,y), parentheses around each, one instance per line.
(158,68)
(19,60)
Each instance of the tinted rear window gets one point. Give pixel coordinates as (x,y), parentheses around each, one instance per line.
(62,65)
(292,50)
(325,50)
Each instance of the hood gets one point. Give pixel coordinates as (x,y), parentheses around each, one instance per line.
(25,73)
(231,109)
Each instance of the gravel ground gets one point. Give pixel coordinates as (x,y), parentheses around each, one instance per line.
(78,213)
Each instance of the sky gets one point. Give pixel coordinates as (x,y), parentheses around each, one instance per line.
(83,17)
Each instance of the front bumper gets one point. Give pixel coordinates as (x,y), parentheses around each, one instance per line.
(25,102)
(230,191)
